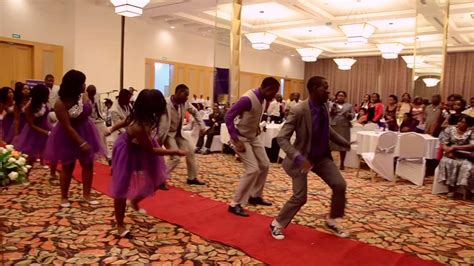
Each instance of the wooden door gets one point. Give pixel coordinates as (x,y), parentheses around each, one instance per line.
(6,63)
(16,63)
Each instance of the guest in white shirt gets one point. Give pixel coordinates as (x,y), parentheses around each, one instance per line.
(276,109)
(97,117)
(119,112)
(53,120)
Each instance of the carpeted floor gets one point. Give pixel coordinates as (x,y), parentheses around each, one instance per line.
(399,217)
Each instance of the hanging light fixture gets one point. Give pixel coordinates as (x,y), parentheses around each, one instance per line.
(129,8)
(357,33)
(344,63)
(412,60)
(309,54)
(390,50)
(431,82)
(261,40)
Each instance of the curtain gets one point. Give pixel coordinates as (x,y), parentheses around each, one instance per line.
(374,74)
(459,74)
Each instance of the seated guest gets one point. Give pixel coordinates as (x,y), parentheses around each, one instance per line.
(448,106)
(362,117)
(409,124)
(215,121)
(457,109)
(470,111)
(457,141)
(391,113)
(418,110)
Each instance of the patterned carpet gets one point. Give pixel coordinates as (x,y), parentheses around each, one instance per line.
(399,217)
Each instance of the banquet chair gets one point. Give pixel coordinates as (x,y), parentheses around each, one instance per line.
(352,158)
(381,161)
(411,164)
(191,135)
(370,127)
(216,144)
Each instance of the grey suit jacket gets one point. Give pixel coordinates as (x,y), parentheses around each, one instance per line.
(165,121)
(299,121)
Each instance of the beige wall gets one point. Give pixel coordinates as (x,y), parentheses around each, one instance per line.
(90,35)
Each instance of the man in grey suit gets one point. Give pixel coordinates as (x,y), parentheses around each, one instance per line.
(310,121)
(170,135)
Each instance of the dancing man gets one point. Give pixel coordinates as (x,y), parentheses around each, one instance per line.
(244,134)
(170,132)
(310,151)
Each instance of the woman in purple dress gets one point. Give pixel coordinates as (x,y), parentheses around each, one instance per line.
(21,97)
(34,135)
(6,110)
(139,166)
(74,137)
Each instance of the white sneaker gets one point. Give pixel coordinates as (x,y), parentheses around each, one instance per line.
(277,233)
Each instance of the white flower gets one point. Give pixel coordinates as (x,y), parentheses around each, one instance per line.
(3,150)
(28,167)
(9,147)
(24,155)
(12,160)
(21,161)
(24,169)
(13,175)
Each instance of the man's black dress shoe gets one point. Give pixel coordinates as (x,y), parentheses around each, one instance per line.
(259,201)
(238,210)
(195,182)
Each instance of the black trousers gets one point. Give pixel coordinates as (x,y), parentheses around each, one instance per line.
(210,135)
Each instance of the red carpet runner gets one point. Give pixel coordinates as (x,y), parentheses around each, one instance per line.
(302,246)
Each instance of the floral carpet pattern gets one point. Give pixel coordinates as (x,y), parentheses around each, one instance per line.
(400,217)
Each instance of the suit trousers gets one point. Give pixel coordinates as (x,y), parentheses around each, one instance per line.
(179,142)
(330,174)
(256,166)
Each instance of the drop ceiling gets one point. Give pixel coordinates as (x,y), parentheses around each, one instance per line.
(314,23)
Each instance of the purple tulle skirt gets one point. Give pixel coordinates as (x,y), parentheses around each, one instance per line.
(136,173)
(61,148)
(7,122)
(11,131)
(32,142)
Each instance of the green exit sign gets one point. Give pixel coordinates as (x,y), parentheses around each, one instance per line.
(16,36)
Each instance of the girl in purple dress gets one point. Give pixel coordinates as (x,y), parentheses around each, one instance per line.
(74,137)
(139,166)
(21,97)
(6,110)
(34,135)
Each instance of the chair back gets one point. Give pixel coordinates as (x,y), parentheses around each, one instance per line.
(354,131)
(370,127)
(387,142)
(412,145)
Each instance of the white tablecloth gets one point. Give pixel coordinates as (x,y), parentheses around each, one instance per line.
(367,142)
(271,132)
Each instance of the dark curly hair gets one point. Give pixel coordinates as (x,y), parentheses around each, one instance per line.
(39,96)
(148,108)
(4,94)
(18,93)
(72,86)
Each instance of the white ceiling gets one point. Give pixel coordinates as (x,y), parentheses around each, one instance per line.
(314,23)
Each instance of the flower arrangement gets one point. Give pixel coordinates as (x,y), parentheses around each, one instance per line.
(13,166)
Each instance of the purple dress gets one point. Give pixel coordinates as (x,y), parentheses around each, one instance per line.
(11,130)
(61,148)
(137,173)
(30,141)
(7,122)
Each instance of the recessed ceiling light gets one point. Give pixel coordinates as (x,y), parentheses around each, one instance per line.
(292,55)
(172,27)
